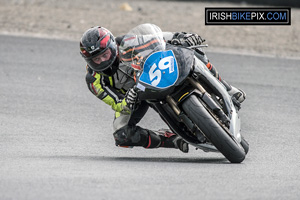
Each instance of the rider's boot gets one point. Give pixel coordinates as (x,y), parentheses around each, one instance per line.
(171,140)
(237,95)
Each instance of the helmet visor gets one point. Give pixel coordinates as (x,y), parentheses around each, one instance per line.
(102,61)
(105,56)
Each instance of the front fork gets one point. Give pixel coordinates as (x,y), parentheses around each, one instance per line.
(206,98)
(175,121)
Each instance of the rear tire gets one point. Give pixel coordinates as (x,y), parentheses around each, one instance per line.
(230,148)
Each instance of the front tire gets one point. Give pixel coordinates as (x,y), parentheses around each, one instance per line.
(230,148)
(245,145)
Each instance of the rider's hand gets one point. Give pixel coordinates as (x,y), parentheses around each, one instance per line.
(193,39)
(186,39)
(130,98)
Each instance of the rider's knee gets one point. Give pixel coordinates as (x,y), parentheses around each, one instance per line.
(130,136)
(136,136)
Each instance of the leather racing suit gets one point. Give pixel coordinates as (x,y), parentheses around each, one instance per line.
(112,90)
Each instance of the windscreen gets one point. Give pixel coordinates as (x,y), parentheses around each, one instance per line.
(139,43)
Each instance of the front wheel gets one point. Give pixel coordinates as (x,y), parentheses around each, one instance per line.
(218,136)
(245,145)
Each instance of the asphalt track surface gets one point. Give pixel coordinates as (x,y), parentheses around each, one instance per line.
(56,137)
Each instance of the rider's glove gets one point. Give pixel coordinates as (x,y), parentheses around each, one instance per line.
(193,39)
(130,98)
(186,39)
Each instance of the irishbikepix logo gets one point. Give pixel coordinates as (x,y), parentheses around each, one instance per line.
(247,16)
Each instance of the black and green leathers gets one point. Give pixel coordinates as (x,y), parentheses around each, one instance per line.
(112,90)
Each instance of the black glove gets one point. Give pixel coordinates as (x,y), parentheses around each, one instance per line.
(193,39)
(186,39)
(130,98)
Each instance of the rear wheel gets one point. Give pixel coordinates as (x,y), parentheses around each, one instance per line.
(218,136)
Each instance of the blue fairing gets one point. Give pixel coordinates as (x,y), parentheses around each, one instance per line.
(160,70)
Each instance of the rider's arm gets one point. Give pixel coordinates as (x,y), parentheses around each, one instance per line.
(100,86)
(168,35)
(183,38)
(179,38)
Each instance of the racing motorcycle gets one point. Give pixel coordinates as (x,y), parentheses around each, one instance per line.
(178,85)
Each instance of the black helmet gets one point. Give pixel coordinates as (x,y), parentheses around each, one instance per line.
(99,49)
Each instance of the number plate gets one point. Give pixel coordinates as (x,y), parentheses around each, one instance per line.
(160,70)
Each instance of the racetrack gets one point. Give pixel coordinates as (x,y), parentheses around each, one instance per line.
(56,137)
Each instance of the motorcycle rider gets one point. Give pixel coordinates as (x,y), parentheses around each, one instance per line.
(112,82)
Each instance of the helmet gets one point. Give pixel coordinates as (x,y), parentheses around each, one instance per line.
(99,49)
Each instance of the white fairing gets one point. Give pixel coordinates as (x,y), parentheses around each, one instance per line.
(235,123)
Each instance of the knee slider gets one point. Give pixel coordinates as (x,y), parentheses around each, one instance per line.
(120,136)
(130,136)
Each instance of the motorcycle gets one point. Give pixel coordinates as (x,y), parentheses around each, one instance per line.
(179,86)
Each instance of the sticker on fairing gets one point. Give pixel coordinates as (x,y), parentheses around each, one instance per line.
(160,70)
